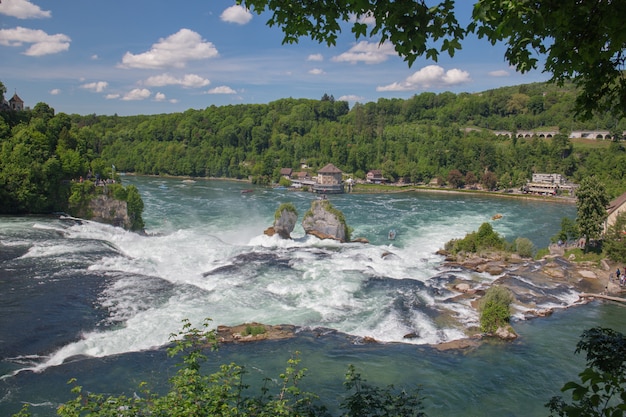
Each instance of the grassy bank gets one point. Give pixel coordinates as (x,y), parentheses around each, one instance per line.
(391,188)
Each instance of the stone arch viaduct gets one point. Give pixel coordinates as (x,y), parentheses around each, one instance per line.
(585,134)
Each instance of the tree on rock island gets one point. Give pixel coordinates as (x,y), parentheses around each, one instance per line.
(582,41)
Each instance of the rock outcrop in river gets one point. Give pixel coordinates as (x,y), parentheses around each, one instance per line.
(325,221)
(285,220)
(105,209)
(322,220)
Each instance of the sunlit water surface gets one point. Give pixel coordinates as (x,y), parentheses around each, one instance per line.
(86,300)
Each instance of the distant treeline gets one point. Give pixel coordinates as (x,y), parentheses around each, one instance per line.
(427,136)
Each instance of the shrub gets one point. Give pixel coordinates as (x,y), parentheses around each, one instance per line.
(524,247)
(495,308)
(484,238)
(488,238)
(118,191)
(285,206)
(254,330)
(569,231)
(542,252)
(135,208)
(284,182)
(80,195)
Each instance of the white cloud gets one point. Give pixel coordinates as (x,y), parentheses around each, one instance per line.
(95,57)
(316,71)
(96,87)
(188,81)
(499,73)
(315,57)
(351,97)
(112,96)
(236,14)
(368,19)
(55,92)
(137,94)
(42,43)
(368,52)
(429,77)
(22,9)
(223,89)
(173,51)
(159,97)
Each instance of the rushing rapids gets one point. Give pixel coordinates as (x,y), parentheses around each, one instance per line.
(76,291)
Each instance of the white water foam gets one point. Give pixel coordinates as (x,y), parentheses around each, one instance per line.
(234,274)
(317,287)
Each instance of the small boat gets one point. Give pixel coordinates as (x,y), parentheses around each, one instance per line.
(392,234)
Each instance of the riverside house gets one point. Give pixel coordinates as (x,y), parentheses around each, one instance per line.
(286,173)
(375,176)
(615,207)
(329,180)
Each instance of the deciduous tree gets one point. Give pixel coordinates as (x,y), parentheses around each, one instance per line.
(614,242)
(591,203)
(580,41)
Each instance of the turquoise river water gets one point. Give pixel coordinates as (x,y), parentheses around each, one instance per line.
(86,300)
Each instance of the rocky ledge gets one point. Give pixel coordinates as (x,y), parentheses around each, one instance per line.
(254,332)
(589,280)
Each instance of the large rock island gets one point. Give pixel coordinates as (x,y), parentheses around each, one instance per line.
(110,203)
(325,221)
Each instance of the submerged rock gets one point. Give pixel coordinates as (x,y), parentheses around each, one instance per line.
(506,333)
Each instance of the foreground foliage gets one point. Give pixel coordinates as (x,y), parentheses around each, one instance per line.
(580,41)
(602,387)
(224,394)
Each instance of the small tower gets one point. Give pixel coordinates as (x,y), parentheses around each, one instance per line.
(16,103)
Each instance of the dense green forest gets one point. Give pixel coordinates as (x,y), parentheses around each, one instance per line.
(428,136)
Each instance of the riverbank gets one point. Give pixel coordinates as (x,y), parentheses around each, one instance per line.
(362,188)
(402,188)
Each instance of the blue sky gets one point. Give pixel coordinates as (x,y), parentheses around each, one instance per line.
(155,56)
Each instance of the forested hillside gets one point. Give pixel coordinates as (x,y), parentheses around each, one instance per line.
(429,135)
